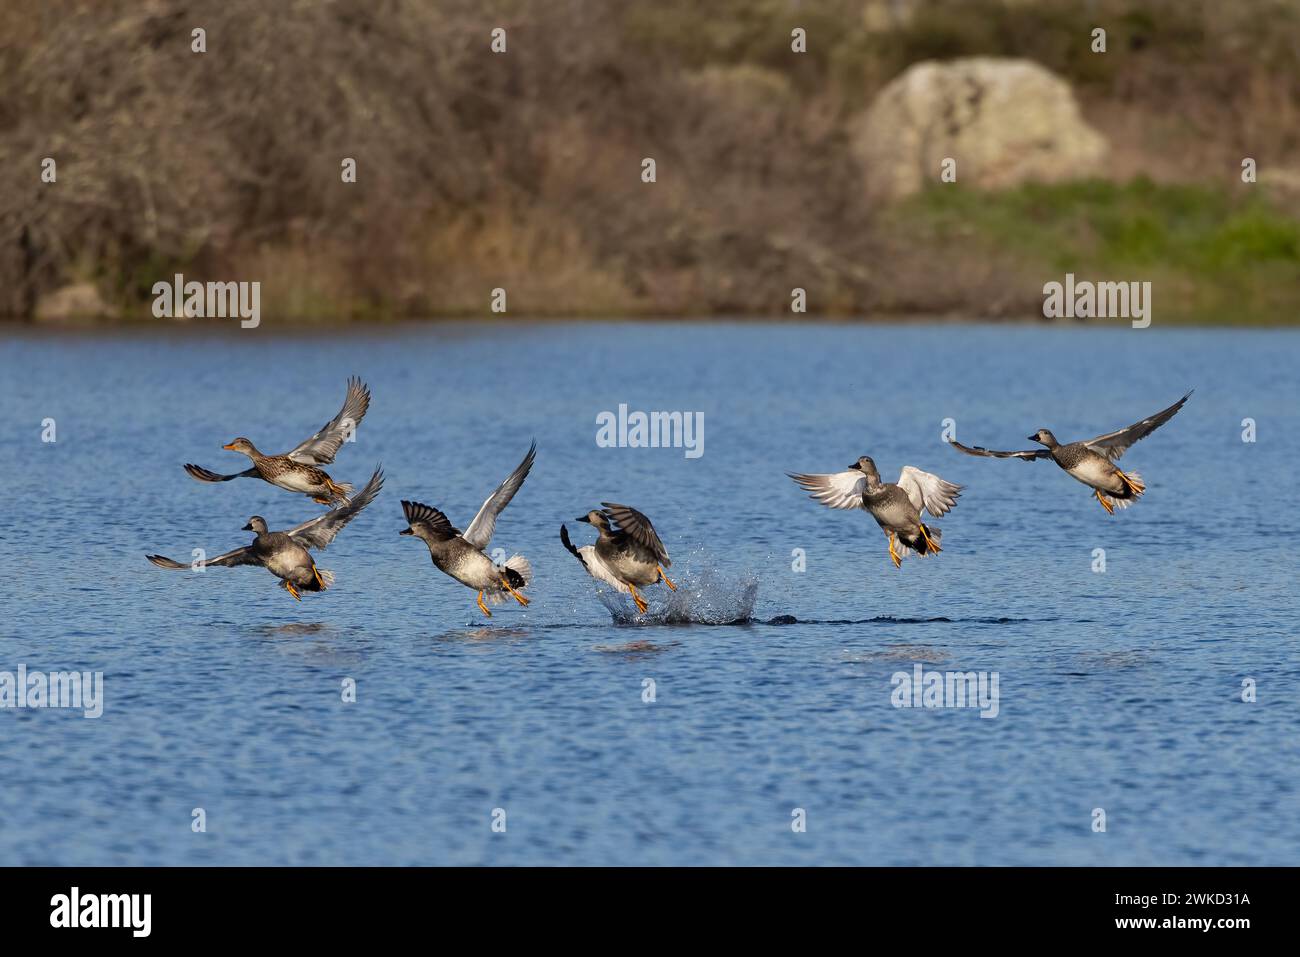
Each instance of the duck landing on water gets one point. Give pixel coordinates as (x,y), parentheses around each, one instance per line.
(627,553)
(464,556)
(287,555)
(896,507)
(1092,461)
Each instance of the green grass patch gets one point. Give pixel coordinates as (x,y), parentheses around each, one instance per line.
(1212,255)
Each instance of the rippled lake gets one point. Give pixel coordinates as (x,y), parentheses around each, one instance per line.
(771,668)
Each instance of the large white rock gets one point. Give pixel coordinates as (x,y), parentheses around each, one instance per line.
(1004,121)
(76,301)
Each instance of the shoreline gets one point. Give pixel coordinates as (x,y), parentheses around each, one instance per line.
(335,327)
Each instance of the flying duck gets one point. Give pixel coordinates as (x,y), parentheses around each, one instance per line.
(298,470)
(286,555)
(896,507)
(463,556)
(1092,462)
(627,553)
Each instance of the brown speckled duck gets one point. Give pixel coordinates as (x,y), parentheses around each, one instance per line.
(299,469)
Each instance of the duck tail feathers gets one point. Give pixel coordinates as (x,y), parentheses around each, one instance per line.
(927,543)
(516,571)
(341,491)
(1135,487)
(519,571)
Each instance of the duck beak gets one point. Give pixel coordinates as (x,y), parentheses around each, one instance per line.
(1033,438)
(406,531)
(248,527)
(230,446)
(856,467)
(583,518)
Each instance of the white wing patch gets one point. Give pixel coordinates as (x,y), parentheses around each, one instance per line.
(836,490)
(928,491)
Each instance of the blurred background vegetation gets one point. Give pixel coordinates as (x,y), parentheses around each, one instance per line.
(523,170)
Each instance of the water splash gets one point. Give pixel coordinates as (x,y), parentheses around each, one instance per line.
(707,599)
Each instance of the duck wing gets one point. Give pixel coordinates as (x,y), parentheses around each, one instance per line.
(320,531)
(417,513)
(321,448)
(480,530)
(591,562)
(1115,444)
(637,527)
(836,490)
(240,556)
(1028,454)
(928,491)
(564,539)
(203,475)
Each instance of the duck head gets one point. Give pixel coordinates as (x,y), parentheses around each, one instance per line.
(867,466)
(416,528)
(1044,437)
(241,445)
(256,524)
(595,518)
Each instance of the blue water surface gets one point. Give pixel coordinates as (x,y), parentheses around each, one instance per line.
(1120,689)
